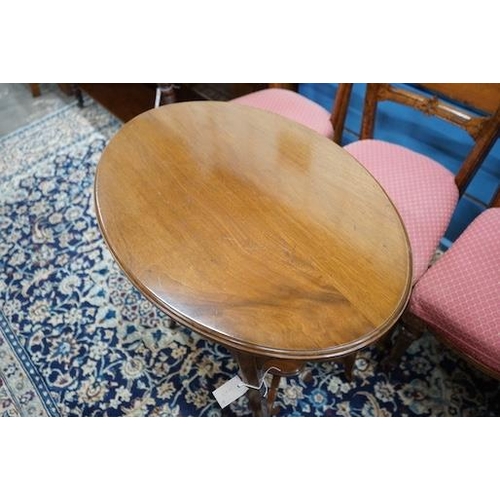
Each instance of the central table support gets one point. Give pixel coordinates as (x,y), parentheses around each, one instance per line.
(253,370)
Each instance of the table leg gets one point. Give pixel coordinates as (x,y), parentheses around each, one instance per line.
(254,368)
(279,368)
(348,362)
(251,373)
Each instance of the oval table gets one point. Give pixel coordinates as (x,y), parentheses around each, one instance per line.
(255,232)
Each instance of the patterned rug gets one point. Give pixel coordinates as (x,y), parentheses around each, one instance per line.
(76,338)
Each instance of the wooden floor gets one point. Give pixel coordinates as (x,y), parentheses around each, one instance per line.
(127,100)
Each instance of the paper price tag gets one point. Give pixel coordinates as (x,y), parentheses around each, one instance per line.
(230,391)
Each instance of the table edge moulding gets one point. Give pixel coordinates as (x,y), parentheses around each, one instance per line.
(253,231)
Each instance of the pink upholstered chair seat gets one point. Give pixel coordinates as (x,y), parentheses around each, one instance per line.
(459,297)
(291,105)
(423,191)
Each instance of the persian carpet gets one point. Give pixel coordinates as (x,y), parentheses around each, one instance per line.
(77,339)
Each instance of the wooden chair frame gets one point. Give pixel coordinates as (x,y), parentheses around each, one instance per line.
(339,110)
(484,128)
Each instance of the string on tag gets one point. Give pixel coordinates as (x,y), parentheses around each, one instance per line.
(262,382)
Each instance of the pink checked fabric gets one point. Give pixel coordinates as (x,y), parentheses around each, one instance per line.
(423,191)
(459,296)
(291,105)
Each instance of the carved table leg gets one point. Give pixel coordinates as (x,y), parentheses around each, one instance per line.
(279,368)
(254,368)
(348,362)
(250,371)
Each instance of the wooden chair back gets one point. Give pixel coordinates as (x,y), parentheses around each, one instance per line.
(339,110)
(474,107)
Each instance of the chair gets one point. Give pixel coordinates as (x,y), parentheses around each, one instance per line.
(458,297)
(299,108)
(425,192)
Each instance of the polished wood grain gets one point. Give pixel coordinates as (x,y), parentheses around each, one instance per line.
(253,230)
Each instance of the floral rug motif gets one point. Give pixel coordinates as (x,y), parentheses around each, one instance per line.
(77,339)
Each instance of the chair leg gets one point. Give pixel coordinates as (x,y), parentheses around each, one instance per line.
(410,329)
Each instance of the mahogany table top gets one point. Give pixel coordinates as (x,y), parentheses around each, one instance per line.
(253,231)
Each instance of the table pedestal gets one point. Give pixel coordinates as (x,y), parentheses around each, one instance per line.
(254,368)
